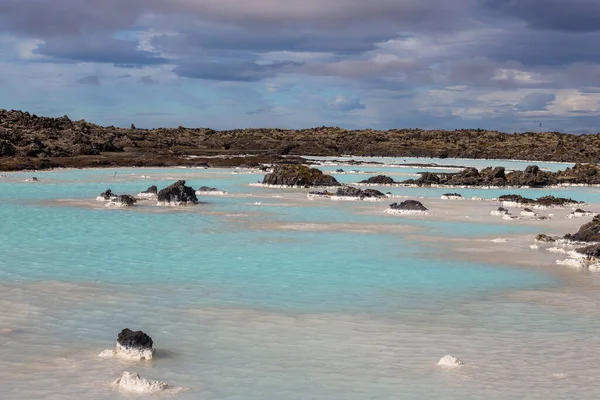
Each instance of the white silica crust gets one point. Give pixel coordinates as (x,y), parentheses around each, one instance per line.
(128,353)
(313,196)
(100,198)
(134,354)
(113,203)
(133,382)
(406,212)
(498,213)
(450,361)
(146,195)
(499,240)
(211,192)
(580,214)
(444,197)
(356,198)
(528,214)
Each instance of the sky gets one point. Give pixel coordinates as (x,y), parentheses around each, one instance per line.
(509,65)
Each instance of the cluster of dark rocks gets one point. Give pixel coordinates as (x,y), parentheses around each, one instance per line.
(532,176)
(298,175)
(408,205)
(587,233)
(350,191)
(152,190)
(175,194)
(544,201)
(379,180)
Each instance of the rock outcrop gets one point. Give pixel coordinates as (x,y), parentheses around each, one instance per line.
(123,200)
(131,345)
(135,345)
(298,175)
(379,180)
(407,207)
(177,194)
(150,193)
(501,211)
(349,193)
(210,191)
(545,238)
(451,196)
(516,200)
(589,232)
(532,176)
(579,213)
(107,195)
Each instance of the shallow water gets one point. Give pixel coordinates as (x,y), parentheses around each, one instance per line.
(286,299)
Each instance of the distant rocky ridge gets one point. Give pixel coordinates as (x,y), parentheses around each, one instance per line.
(31,142)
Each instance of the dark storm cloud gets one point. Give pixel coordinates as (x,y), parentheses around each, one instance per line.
(564,15)
(242,71)
(98,49)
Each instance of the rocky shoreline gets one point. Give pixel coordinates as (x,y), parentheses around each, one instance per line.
(30,142)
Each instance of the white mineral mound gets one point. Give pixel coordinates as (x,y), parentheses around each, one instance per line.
(132,382)
(450,361)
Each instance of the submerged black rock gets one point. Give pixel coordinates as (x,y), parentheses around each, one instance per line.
(178,194)
(590,251)
(298,175)
(452,195)
(209,189)
(409,205)
(589,232)
(125,200)
(516,198)
(151,190)
(107,194)
(545,238)
(349,191)
(379,180)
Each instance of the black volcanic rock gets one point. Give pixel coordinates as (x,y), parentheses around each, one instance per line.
(178,194)
(517,198)
(208,189)
(545,238)
(555,201)
(125,200)
(349,191)
(532,176)
(151,190)
(107,194)
(452,195)
(379,180)
(589,232)
(298,175)
(428,179)
(134,339)
(590,251)
(409,205)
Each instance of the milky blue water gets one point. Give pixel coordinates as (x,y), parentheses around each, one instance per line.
(288,298)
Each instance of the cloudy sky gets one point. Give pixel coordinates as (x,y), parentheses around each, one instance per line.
(495,64)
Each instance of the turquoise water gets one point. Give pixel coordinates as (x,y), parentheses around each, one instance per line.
(286,299)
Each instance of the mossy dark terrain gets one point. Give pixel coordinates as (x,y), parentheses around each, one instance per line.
(31,142)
